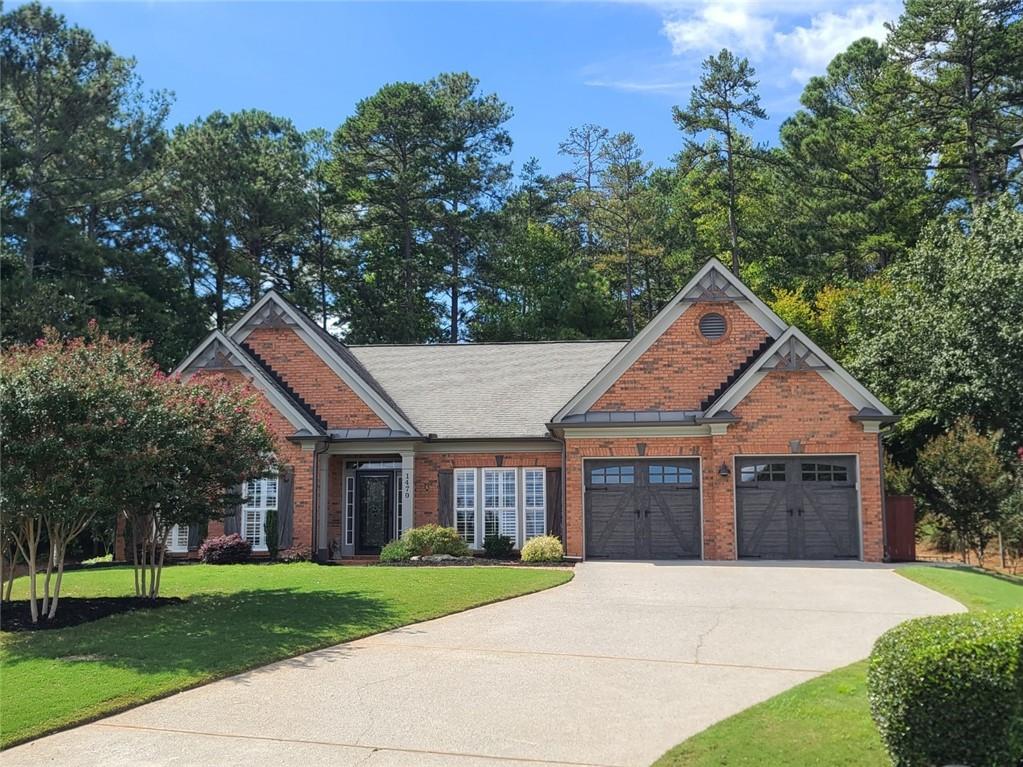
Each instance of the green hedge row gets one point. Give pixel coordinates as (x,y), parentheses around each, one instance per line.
(949,690)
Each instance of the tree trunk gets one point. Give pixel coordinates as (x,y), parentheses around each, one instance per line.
(135,556)
(455,292)
(60,577)
(733,225)
(406,268)
(49,572)
(629,313)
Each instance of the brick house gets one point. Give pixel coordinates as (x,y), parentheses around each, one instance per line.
(717,432)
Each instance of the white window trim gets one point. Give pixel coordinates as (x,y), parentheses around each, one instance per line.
(261,510)
(474,510)
(172,544)
(349,507)
(503,509)
(542,508)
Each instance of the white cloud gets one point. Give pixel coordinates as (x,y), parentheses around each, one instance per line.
(640,86)
(718,25)
(830,33)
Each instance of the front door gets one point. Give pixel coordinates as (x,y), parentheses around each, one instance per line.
(375,511)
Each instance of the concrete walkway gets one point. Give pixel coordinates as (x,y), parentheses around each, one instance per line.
(612,669)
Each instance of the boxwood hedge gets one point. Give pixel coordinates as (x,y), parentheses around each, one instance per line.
(949,690)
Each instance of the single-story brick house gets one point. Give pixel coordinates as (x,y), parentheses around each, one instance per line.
(719,432)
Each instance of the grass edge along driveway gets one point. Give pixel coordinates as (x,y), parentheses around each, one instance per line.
(238,617)
(826,721)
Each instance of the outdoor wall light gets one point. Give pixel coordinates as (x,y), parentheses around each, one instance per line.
(724,471)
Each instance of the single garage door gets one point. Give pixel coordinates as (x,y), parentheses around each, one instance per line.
(643,509)
(802,507)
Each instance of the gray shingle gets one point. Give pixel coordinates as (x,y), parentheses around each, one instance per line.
(485,390)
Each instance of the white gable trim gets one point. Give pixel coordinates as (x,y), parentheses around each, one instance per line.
(383,409)
(283,405)
(838,377)
(759,311)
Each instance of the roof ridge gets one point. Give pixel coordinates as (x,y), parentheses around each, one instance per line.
(470,344)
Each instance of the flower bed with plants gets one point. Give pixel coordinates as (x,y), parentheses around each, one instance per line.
(433,545)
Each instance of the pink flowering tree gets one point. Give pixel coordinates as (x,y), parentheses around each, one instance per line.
(193,447)
(89,427)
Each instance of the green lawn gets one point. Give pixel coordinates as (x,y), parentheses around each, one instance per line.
(826,721)
(238,617)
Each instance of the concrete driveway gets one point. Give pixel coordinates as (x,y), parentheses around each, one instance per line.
(612,669)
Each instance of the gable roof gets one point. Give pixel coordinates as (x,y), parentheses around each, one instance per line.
(334,354)
(714,282)
(795,351)
(218,352)
(487,390)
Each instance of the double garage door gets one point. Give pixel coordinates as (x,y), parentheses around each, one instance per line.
(802,507)
(791,507)
(643,509)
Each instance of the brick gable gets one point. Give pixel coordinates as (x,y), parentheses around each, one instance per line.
(682,368)
(310,377)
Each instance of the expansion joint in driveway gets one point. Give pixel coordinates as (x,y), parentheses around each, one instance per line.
(364,746)
(583,656)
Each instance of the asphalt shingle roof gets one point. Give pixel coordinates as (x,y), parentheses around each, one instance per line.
(485,390)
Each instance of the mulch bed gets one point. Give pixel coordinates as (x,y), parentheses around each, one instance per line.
(15,616)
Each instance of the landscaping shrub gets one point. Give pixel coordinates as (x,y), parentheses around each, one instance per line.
(396,551)
(434,539)
(546,548)
(225,550)
(949,690)
(296,554)
(270,534)
(498,546)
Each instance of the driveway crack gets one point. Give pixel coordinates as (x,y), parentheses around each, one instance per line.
(704,634)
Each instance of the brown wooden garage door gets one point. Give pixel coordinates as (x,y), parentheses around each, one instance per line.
(802,507)
(643,509)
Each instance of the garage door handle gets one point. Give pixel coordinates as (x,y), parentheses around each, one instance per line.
(646,512)
(790,512)
(800,512)
(637,512)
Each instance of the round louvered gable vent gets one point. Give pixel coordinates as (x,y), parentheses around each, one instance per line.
(712,326)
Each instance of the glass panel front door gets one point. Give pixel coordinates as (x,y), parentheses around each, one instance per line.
(375,511)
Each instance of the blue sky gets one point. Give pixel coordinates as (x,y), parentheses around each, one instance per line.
(619,64)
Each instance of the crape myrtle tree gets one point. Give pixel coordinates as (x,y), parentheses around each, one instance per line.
(193,443)
(62,408)
(89,421)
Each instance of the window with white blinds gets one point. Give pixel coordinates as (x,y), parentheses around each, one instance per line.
(465,504)
(259,498)
(535,503)
(177,539)
(500,510)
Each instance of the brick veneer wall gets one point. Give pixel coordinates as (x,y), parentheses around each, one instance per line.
(312,379)
(784,406)
(428,464)
(681,367)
